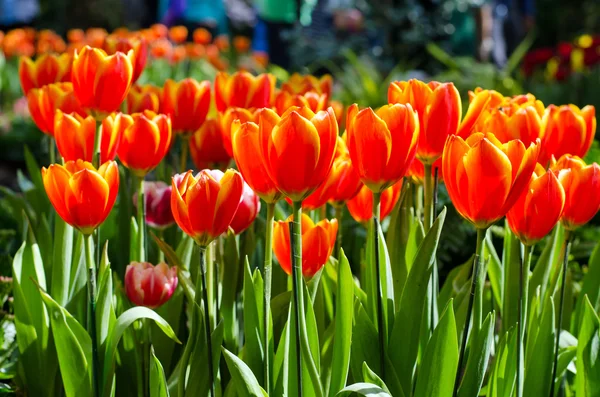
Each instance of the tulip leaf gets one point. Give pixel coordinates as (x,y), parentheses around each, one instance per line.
(538,370)
(123,322)
(242,376)
(73,347)
(363,389)
(343,326)
(511,263)
(105,311)
(134,254)
(364,337)
(589,287)
(401,224)
(551,254)
(587,380)
(230,264)
(61,260)
(372,377)
(253,322)
(495,271)
(281,362)
(404,340)
(170,255)
(479,356)
(438,368)
(172,311)
(158,381)
(503,376)
(198,382)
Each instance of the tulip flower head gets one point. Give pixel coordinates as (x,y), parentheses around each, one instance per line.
(243,90)
(382,143)
(81,195)
(439,109)
(75,134)
(297,149)
(226,120)
(247,210)
(44,102)
(480,102)
(318,241)
(143,97)
(539,207)
(581,183)
(485,177)
(178,34)
(157,196)
(187,102)
(114,44)
(361,205)
(145,139)
(204,207)
(101,81)
(311,99)
(149,285)
(301,84)
(46,69)
(206,146)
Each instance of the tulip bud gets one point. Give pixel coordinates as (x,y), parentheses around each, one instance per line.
(158,204)
(148,285)
(361,205)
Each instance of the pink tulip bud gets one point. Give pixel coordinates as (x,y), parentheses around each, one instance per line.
(158,204)
(149,285)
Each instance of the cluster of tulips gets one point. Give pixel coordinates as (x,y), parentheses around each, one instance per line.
(508,156)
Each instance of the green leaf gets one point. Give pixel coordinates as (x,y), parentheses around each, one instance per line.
(253,323)
(587,380)
(158,382)
(550,255)
(61,260)
(504,374)
(511,262)
(589,287)
(397,239)
(404,340)
(170,255)
(495,271)
(74,349)
(231,268)
(343,326)
(123,322)
(242,376)
(105,311)
(479,357)
(364,389)
(538,369)
(198,384)
(438,368)
(364,343)
(372,377)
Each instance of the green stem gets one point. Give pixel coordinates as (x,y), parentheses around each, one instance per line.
(210,280)
(202,276)
(339,211)
(523,287)
(418,203)
(51,150)
(428,196)
(145,346)
(161,255)
(380,323)
(474,282)
(96,164)
(268,269)
(185,147)
(297,290)
(89,256)
(563,284)
(141,220)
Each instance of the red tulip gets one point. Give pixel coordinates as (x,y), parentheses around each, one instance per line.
(361,205)
(149,285)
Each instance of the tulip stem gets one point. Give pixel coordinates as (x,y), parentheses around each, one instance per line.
(91,323)
(380,323)
(51,150)
(268,269)
(96,164)
(523,286)
(185,147)
(339,212)
(474,282)
(141,220)
(563,283)
(296,250)
(161,255)
(429,198)
(202,275)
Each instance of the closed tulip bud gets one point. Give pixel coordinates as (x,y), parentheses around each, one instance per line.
(539,207)
(81,195)
(46,69)
(202,36)
(318,241)
(581,183)
(243,90)
(204,207)
(298,149)
(439,109)
(44,102)
(567,130)
(485,177)
(75,134)
(157,196)
(247,210)
(206,146)
(301,84)
(101,81)
(187,102)
(361,205)
(382,144)
(149,285)
(145,139)
(246,153)
(143,97)
(226,120)
(311,99)
(114,44)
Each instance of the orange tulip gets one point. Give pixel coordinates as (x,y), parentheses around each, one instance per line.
(46,69)
(114,44)
(187,102)
(439,109)
(361,205)
(318,241)
(297,149)
(241,89)
(241,44)
(567,130)
(222,42)
(80,194)
(485,177)
(178,54)
(161,48)
(226,121)
(101,81)
(581,183)
(202,36)
(301,84)
(195,51)
(416,171)
(382,144)
(539,207)
(94,37)
(145,139)
(178,34)
(480,101)
(75,35)
(143,97)
(159,30)
(314,101)
(74,136)
(204,207)
(206,146)
(246,153)
(247,210)
(43,103)
(508,123)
